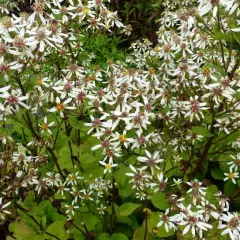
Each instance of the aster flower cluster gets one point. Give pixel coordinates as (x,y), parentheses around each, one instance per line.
(157,129)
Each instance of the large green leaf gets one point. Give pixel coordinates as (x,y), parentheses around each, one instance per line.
(128,208)
(236,36)
(65,161)
(29,200)
(57,229)
(230,188)
(87,162)
(103,236)
(217,173)
(45,208)
(152,222)
(202,131)
(139,234)
(159,201)
(126,190)
(10,238)
(120,175)
(22,231)
(39,237)
(118,236)
(62,141)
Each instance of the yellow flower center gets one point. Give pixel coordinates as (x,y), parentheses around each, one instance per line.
(231,175)
(108,166)
(92,78)
(44,126)
(39,81)
(86,11)
(206,71)
(122,138)
(151,71)
(59,106)
(156,49)
(141,194)
(107,26)
(74,177)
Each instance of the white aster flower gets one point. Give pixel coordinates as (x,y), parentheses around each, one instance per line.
(168,221)
(108,166)
(231,225)
(232,176)
(70,209)
(3,209)
(45,126)
(151,160)
(61,106)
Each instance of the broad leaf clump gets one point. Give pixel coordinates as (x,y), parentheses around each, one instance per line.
(102,143)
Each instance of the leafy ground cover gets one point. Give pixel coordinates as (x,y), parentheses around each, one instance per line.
(118,131)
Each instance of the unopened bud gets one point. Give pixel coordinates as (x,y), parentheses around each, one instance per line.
(154,231)
(147,211)
(234,53)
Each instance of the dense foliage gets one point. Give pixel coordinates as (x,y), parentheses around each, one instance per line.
(101,142)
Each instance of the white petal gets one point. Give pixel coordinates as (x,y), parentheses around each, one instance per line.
(186,229)
(96,147)
(5,88)
(236,29)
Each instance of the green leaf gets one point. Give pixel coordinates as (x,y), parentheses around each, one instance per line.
(44,222)
(57,229)
(118,236)
(159,201)
(45,208)
(86,159)
(22,231)
(77,234)
(128,208)
(65,161)
(92,141)
(120,175)
(217,173)
(202,171)
(78,125)
(61,141)
(230,188)
(236,36)
(132,160)
(126,190)
(104,236)
(29,200)
(228,138)
(237,95)
(126,229)
(22,149)
(223,36)
(10,238)
(153,220)
(90,220)
(140,232)
(122,219)
(39,237)
(87,162)
(216,28)
(210,194)
(202,131)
